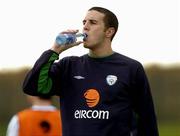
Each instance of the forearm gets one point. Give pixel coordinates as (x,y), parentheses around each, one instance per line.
(147,122)
(38,81)
(143,105)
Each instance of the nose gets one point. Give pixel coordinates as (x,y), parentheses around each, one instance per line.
(86,27)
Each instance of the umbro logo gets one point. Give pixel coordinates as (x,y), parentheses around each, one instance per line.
(79,77)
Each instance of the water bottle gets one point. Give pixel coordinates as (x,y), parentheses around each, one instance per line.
(63,39)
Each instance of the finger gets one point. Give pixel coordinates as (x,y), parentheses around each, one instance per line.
(77,43)
(70,31)
(74,44)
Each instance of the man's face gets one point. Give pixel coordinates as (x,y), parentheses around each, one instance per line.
(95,28)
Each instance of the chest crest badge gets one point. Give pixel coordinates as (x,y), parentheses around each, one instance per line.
(111,79)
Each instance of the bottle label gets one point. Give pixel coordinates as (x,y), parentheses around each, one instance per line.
(70,38)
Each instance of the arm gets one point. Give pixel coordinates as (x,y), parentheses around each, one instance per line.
(44,76)
(38,81)
(143,105)
(13,127)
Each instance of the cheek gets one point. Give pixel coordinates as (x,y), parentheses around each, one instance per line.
(97,36)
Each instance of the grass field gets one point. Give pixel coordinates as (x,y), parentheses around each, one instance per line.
(169,129)
(165,129)
(3,128)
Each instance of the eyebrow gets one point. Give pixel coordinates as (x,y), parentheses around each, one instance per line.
(91,20)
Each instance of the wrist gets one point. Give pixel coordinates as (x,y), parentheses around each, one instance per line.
(56,48)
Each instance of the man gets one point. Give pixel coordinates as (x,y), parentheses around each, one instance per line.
(42,119)
(101,92)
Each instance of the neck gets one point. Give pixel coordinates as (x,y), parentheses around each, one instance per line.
(102,51)
(42,103)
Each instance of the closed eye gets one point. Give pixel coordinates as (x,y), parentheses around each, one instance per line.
(93,21)
(90,21)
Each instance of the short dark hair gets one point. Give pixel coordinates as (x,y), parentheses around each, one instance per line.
(110,18)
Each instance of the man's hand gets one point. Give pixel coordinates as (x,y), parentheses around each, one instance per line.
(60,48)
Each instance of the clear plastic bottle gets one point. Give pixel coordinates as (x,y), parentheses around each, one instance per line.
(63,39)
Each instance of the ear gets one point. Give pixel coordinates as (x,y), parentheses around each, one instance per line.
(110,31)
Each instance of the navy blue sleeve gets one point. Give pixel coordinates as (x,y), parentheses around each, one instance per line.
(42,75)
(143,105)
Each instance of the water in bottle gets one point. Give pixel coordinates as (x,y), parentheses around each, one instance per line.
(63,39)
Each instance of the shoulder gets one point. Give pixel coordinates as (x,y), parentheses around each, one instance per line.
(73,59)
(14,120)
(127,60)
(24,113)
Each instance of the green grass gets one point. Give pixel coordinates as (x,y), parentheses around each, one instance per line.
(169,129)
(3,127)
(165,129)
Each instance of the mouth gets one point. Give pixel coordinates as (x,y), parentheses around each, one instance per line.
(85,36)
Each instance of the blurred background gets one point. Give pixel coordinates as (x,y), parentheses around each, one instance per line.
(148,32)
(164,81)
